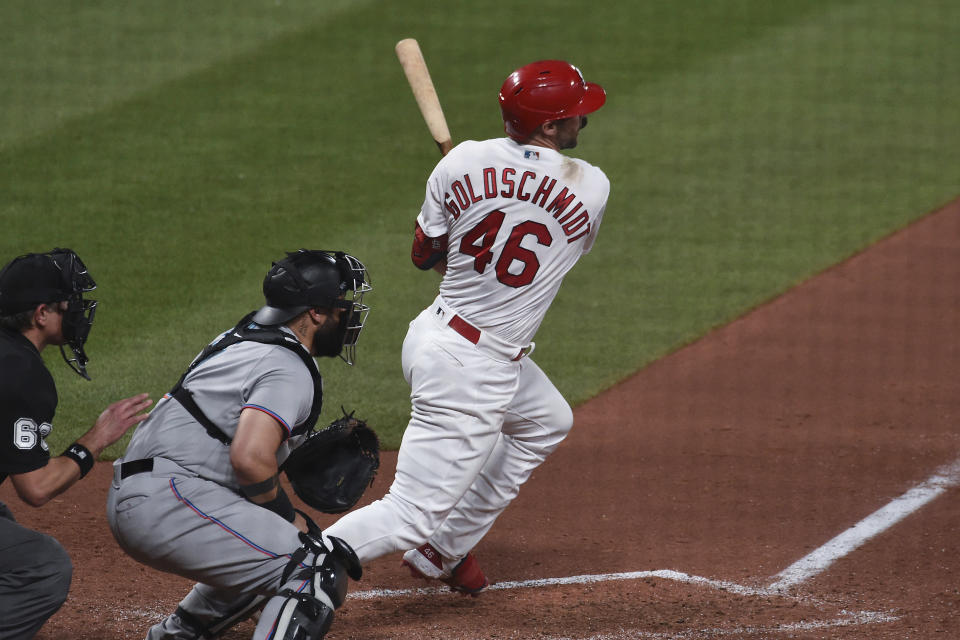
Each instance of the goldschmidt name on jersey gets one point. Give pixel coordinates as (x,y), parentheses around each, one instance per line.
(527,186)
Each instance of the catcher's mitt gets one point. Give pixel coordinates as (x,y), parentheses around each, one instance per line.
(332,468)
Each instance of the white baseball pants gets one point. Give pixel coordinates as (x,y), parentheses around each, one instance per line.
(480,424)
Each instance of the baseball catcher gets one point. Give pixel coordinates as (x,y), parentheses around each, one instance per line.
(333,467)
(213,508)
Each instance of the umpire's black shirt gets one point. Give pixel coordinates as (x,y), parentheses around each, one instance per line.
(28,400)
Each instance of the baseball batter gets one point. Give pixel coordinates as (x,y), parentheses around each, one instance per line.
(196,492)
(504,220)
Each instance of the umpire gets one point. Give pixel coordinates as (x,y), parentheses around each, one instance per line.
(41,304)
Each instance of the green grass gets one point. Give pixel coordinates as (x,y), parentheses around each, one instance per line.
(180,150)
(61,59)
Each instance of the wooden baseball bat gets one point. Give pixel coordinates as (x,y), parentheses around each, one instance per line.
(415,68)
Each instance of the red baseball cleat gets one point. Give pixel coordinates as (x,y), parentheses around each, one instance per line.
(465,577)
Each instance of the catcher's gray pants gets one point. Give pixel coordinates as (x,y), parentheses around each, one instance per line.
(35,573)
(236,551)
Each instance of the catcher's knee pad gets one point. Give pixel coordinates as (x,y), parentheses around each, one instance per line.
(333,562)
(302,617)
(330,579)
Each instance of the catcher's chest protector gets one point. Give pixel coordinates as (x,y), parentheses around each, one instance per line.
(247,330)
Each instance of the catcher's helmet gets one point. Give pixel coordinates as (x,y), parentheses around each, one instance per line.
(310,279)
(543,91)
(58,275)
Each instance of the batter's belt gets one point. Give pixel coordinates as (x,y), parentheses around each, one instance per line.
(484,340)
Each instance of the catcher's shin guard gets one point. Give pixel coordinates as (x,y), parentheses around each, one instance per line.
(307,615)
(302,617)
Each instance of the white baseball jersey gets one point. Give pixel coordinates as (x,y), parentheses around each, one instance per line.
(517,218)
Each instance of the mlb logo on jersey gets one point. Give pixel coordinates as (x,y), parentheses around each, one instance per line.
(531,155)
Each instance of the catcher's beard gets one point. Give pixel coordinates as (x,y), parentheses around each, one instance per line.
(329,337)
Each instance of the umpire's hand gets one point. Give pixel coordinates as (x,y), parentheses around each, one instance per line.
(115,421)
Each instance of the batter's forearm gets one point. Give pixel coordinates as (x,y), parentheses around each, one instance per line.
(429,253)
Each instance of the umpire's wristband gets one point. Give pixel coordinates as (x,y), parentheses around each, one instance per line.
(280,505)
(81,455)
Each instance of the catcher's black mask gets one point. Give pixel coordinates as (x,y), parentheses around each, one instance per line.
(311,279)
(59,275)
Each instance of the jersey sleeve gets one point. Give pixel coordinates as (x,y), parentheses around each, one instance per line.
(283,389)
(433,220)
(25,417)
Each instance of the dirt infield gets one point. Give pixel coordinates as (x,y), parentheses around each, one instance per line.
(687,493)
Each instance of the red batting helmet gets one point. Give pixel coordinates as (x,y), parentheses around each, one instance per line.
(543,91)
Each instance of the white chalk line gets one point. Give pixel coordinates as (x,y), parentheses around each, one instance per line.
(800,571)
(810,565)
(667,574)
(807,567)
(879,521)
(846,619)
